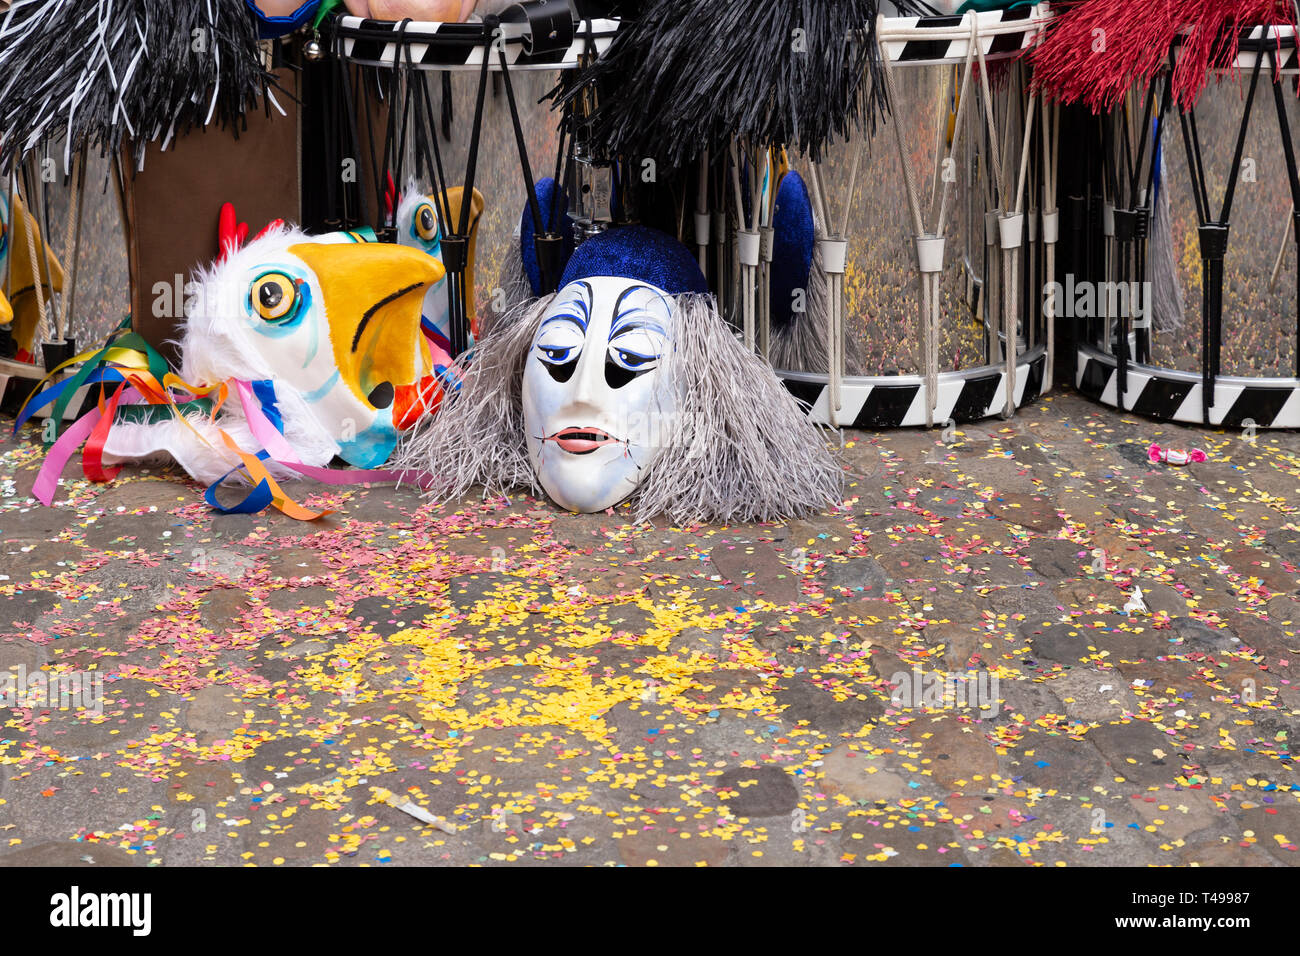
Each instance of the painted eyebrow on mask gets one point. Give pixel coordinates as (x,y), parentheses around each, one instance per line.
(621,321)
(582,305)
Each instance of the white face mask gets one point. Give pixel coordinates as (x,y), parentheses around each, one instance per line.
(597,405)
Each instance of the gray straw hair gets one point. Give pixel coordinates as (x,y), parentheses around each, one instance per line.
(515,289)
(800,344)
(741,447)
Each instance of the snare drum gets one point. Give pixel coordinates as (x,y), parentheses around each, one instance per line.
(952,230)
(1207,332)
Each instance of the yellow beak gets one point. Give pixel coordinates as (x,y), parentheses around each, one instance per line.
(455,196)
(372,293)
(6,310)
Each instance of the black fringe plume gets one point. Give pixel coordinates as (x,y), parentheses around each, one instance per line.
(100,73)
(690,74)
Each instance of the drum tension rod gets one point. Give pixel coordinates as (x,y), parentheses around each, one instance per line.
(1132,225)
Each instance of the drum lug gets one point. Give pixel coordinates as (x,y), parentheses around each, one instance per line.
(748,244)
(702,222)
(834,255)
(1126,226)
(929,253)
(1051,226)
(1213,237)
(1011,230)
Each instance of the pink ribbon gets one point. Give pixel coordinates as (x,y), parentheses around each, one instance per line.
(47,479)
(269,437)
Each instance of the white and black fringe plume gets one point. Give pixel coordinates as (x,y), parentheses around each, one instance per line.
(103,72)
(690,74)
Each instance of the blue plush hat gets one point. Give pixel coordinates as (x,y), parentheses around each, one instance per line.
(792,245)
(545,190)
(641,253)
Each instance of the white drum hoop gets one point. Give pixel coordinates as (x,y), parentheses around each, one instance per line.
(931,41)
(1251,46)
(460,46)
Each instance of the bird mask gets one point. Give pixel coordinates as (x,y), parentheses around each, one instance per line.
(322,331)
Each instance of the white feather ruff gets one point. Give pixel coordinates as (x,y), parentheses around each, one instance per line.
(216,345)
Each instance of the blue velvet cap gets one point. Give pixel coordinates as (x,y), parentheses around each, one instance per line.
(792,245)
(545,190)
(641,253)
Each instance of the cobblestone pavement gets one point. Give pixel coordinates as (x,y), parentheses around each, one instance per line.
(942,671)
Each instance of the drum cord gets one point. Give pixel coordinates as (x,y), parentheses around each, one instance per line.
(38,281)
(417,102)
(1008,243)
(830,255)
(31,224)
(748,244)
(368,119)
(347,125)
(72,240)
(548,258)
(1131,212)
(702,211)
(1212,233)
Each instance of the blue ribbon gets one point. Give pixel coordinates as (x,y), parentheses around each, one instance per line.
(258,499)
(264,390)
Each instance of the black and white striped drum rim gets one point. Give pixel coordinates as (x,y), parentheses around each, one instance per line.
(1257,41)
(898,401)
(459,46)
(1172,395)
(1002,34)
(19,379)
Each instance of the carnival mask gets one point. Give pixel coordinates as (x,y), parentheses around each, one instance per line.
(626,385)
(332,322)
(597,397)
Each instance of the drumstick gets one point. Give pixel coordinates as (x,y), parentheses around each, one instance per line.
(740,202)
(702,207)
(853,181)
(1281,250)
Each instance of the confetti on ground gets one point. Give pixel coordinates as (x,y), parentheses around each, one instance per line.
(941,671)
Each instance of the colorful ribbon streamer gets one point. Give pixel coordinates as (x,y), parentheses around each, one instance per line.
(143,378)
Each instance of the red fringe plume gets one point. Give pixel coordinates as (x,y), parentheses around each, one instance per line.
(1095,50)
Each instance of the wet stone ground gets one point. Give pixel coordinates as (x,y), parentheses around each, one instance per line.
(948,669)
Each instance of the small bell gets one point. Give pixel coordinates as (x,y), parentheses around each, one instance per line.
(313,50)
